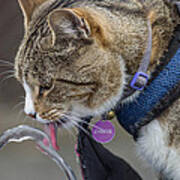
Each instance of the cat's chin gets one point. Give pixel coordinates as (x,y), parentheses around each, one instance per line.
(109,104)
(42,121)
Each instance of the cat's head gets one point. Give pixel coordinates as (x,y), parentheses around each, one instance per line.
(65,63)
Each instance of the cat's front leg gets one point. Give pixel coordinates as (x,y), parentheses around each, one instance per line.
(153,146)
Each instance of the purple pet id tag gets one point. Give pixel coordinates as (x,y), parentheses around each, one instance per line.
(103,131)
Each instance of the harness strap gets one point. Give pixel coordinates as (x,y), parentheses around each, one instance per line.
(140,79)
(131,115)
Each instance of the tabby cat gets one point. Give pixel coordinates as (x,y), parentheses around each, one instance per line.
(77,57)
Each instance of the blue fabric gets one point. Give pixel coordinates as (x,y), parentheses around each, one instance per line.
(132,113)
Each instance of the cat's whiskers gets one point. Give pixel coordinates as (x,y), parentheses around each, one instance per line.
(17,105)
(11,74)
(19,114)
(7,72)
(6,66)
(21,97)
(70,117)
(7,78)
(84,122)
(79,126)
(92,125)
(6,62)
(76,121)
(82,128)
(68,130)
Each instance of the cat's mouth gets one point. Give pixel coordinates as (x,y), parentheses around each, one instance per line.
(51,129)
(51,126)
(59,122)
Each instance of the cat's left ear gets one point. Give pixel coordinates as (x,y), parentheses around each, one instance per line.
(28,7)
(67,24)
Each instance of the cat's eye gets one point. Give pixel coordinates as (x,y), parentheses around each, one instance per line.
(43,89)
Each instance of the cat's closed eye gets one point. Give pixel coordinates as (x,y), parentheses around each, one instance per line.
(75,83)
(44,89)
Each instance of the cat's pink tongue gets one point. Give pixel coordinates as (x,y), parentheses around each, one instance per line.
(51,130)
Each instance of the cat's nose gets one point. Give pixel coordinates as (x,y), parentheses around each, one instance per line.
(32,115)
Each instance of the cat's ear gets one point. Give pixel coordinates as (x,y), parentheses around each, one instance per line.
(28,7)
(66,23)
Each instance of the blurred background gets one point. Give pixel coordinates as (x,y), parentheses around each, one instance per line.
(24,161)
